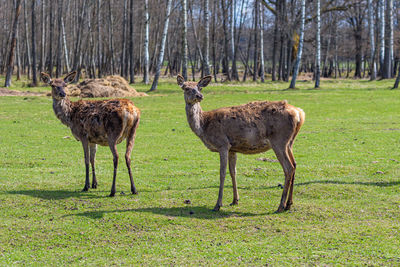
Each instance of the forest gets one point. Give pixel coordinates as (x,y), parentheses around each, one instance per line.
(236,40)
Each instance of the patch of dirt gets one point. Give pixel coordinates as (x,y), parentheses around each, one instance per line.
(110,86)
(6,92)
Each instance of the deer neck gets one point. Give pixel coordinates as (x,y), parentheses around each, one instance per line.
(194,115)
(62,109)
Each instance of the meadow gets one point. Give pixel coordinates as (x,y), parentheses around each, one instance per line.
(346,196)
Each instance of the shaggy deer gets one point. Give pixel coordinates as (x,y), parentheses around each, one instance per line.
(249,129)
(103,122)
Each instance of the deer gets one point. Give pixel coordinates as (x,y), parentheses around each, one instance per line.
(96,122)
(251,128)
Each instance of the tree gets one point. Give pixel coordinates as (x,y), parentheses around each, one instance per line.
(371,41)
(300,49)
(131,44)
(387,64)
(162,47)
(206,57)
(184,40)
(318,41)
(262,76)
(146,42)
(10,64)
(34,76)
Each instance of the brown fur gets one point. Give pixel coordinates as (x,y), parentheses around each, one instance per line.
(249,129)
(103,122)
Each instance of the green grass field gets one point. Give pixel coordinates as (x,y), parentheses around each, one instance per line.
(346,199)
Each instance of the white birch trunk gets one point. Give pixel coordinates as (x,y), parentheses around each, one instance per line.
(381,37)
(146,43)
(371,40)
(162,47)
(184,40)
(300,50)
(318,52)
(262,76)
(206,63)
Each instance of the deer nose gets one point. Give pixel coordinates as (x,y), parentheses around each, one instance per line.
(62,94)
(199,96)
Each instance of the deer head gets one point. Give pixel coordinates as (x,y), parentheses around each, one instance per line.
(192,90)
(58,85)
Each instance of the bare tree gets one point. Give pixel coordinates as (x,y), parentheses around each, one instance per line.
(34,76)
(371,40)
(10,64)
(131,44)
(162,47)
(184,39)
(318,44)
(146,43)
(387,64)
(300,49)
(206,57)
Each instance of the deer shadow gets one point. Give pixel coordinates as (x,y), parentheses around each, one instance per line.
(199,212)
(53,194)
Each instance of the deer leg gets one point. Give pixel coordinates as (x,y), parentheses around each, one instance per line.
(232,171)
(288,168)
(223,160)
(130,141)
(92,152)
(290,197)
(86,153)
(113,147)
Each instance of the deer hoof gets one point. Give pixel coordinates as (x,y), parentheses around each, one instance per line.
(134,192)
(280,209)
(94,186)
(216,208)
(85,189)
(234,202)
(112,194)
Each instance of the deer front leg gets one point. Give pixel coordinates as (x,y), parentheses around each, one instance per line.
(232,171)
(113,147)
(92,152)
(85,145)
(223,161)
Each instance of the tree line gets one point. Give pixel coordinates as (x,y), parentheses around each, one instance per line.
(228,39)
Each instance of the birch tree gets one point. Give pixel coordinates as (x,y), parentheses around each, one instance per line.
(262,43)
(34,76)
(162,47)
(146,43)
(300,49)
(387,64)
(206,57)
(10,64)
(371,41)
(131,42)
(381,34)
(318,41)
(184,40)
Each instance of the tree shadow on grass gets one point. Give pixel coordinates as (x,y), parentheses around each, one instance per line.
(200,212)
(53,194)
(379,184)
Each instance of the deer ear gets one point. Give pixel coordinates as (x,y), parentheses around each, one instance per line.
(70,77)
(180,80)
(204,81)
(45,77)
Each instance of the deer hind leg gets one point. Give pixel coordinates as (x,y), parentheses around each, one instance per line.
(85,145)
(232,172)
(92,152)
(288,168)
(223,159)
(130,141)
(290,197)
(113,146)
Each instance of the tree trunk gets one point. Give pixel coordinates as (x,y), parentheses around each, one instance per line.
(10,64)
(184,40)
(275,42)
(300,49)
(225,59)
(206,57)
(51,34)
(111,35)
(255,57)
(43,42)
(59,44)
(162,47)
(131,44)
(146,43)
(34,76)
(318,52)
(28,49)
(381,35)
(262,43)
(123,48)
(371,41)
(387,65)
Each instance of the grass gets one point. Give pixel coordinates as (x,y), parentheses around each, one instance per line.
(346,201)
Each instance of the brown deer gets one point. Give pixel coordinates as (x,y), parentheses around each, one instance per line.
(103,122)
(249,129)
